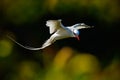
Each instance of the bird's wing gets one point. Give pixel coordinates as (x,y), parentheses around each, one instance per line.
(81,26)
(70,27)
(53,25)
(52,29)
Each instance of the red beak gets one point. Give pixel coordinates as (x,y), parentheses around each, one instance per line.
(78,38)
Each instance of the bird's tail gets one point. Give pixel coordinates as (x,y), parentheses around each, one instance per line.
(26,47)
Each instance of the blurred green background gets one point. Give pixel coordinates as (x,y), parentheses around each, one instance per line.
(94,57)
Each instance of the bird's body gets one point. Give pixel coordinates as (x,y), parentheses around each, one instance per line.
(59,32)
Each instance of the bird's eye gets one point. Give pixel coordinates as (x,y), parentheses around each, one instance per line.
(76,32)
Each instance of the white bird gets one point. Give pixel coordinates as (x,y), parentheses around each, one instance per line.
(58,32)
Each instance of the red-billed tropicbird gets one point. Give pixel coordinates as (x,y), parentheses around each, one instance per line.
(58,32)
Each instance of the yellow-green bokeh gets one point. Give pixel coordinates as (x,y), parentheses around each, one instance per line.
(5,48)
(22,11)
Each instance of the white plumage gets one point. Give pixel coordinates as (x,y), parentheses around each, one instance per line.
(59,32)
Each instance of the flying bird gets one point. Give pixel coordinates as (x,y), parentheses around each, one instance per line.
(58,32)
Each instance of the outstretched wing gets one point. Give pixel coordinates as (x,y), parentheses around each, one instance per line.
(81,26)
(53,25)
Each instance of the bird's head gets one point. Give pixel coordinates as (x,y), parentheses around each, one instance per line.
(77,27)
(76,33)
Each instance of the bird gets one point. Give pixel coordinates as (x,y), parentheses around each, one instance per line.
(58,31)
